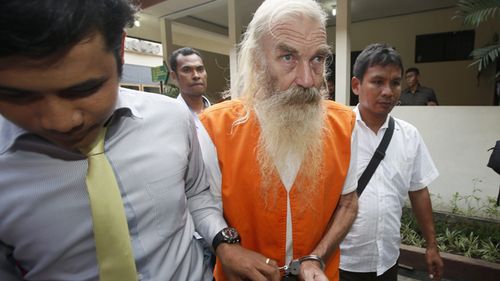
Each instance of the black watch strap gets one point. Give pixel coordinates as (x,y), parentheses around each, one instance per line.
(227,235)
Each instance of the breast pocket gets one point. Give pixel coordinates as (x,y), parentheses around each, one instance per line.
(400,173)
(169,202)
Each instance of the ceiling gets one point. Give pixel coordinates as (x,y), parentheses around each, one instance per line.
(213,14)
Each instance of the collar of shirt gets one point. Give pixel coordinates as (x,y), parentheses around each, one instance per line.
(362,123)
(10,133)
(206,102)
(408,90)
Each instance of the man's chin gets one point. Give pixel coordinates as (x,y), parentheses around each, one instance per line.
(75,143)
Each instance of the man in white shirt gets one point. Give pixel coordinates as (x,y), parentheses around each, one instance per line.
(188,70)
(371,249)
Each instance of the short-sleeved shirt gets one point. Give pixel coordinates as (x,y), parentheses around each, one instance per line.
(372,244)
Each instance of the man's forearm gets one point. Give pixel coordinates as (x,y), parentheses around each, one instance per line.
(343,218)
(422,208)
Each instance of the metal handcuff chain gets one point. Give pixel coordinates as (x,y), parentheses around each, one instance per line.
(294,267)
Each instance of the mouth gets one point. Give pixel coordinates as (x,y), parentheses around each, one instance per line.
(72,138)
(386,103)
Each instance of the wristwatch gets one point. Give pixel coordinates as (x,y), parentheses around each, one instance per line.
(227,235)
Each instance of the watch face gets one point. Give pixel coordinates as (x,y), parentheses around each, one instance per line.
(231,235)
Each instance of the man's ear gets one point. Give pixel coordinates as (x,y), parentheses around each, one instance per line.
(355,85)
(173,75)
(122,47)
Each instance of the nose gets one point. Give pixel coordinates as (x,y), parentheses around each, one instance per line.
(304,77)
(387,90)
(196,75)
(59,115)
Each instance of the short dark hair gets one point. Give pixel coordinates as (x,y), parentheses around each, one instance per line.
(376,54)
(47,28)
(186,51)
(413,69)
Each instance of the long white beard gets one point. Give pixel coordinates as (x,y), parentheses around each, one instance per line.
(292,123)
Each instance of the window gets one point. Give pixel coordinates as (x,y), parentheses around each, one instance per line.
(136,87)
(151,89)
(447,46)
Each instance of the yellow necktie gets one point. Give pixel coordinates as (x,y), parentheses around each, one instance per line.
(111,234)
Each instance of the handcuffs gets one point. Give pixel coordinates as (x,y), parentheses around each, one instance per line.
(293,268)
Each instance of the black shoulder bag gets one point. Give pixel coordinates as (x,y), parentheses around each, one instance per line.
(376,158)
(494,161)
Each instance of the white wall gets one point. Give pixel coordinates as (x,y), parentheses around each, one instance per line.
(458,138)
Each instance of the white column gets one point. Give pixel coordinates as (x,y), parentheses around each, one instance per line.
(166,38)
(235,29)
(343,52)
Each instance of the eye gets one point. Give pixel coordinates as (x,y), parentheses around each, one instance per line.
(18,98)
(319,59)
(82,91)
(396,83)
(287,58)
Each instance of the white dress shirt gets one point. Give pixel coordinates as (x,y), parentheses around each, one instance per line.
(45,216)
(208,150)
(372,244)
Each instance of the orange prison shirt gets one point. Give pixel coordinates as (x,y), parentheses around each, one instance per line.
(263,227)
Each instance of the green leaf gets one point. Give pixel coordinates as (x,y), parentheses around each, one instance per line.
(474,12)
(485,56)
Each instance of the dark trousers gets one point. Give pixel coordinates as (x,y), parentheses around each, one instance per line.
(390,275)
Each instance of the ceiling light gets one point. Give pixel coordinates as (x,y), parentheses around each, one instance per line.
(137,23)
(334,11)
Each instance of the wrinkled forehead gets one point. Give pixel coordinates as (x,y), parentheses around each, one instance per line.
(300,29)
(300,32)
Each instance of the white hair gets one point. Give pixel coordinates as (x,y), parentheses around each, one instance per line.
(265,18)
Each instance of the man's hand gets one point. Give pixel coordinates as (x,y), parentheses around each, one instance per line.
(311,271)
(239,263)
(422,208)
(434,263)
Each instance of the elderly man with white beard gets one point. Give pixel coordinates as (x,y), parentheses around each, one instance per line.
(284,152)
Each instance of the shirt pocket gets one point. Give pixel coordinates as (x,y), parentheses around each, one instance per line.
(169,202)
(400,173)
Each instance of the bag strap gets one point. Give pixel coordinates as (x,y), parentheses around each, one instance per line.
(376,158)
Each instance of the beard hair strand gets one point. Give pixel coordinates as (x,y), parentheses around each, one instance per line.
(292,123)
